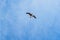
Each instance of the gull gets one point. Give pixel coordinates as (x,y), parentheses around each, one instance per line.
(31,15)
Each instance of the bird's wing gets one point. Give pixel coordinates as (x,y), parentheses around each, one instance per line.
(34,16)
(27,13)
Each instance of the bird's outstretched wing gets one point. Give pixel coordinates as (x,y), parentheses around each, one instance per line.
(29,13)
(34,16)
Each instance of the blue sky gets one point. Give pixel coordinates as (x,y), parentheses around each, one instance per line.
(16,25)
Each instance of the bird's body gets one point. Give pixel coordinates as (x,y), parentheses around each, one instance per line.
(31,15)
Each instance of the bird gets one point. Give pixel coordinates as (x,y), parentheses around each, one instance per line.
(31,15)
